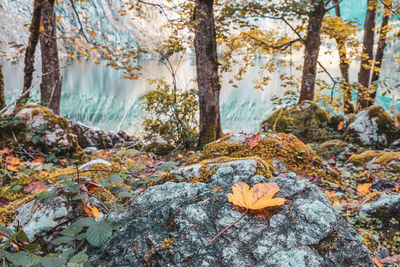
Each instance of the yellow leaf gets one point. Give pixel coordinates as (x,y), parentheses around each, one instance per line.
(260,196)
(41,29)
(364,189)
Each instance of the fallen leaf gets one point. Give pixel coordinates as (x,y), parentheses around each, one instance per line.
(6,151)
(90,211)
(92,187)
(39,159)
(340,126)
(180,156)
(4,202)
(14,161)
(329,193)
(396,188)
(35,188)
(377,262)
(260,196)
(252,141)
(391,260)
(364,189)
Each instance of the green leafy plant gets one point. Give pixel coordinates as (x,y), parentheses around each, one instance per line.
(171,113)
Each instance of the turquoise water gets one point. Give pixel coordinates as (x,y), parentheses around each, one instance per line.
(97,96)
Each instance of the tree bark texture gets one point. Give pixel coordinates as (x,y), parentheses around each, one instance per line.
(344,66)
(34,30)
(50,88)
(207,72)
(2,98)
(380,49)
(312,45)
(364,74)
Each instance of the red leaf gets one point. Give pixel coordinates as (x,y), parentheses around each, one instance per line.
(92,187)
(35,188)
(252,141)
(3,202)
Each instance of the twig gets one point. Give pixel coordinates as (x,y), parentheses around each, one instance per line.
(212,240)
(23,149)
(302,39)
(95,170)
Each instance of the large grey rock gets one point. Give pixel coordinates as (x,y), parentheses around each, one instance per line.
(373,127)
(51,132)
(171,225)
(95,137)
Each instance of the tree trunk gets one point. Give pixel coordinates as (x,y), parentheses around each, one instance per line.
(50,88)
(2,98)
(312,44)
(348,105)
(29,68)
(380,49)
(207,72)
(367,55)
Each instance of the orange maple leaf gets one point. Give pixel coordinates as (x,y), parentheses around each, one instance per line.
(260,196)
(364,189)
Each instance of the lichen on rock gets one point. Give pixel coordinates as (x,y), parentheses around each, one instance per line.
(305,231)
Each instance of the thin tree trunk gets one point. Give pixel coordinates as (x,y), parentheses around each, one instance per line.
(380,49)
(207,72)
(2,98)
(50,88)
(364,74)
(312,45)
(34,30)
(344,66)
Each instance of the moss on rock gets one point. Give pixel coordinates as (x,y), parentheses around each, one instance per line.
(329,148)
(46,130)
(375,157)
(283,148)
(159,146)
(307,121)
(373,127)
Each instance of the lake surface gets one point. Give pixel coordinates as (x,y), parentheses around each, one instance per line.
(96,95)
